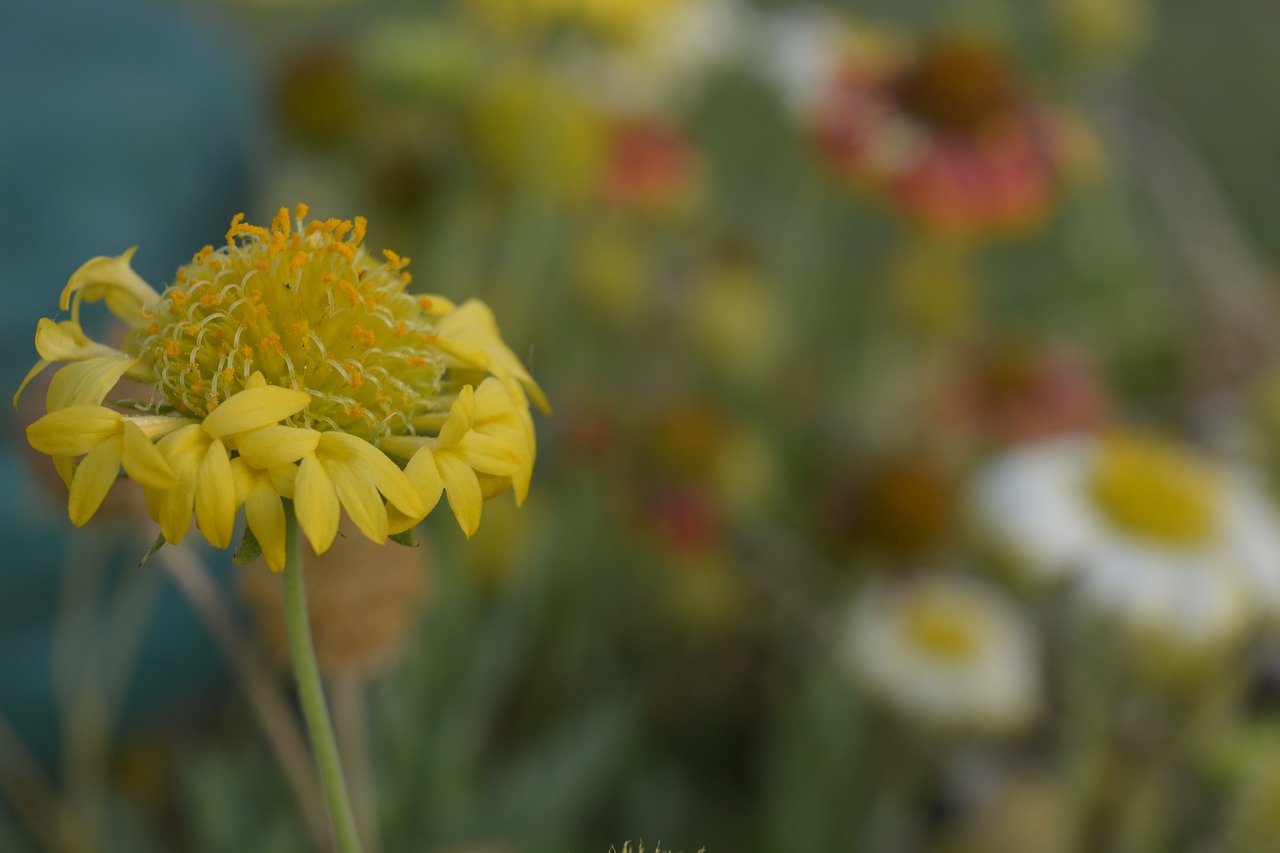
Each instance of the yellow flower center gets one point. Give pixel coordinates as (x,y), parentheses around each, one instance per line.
(309,309)
(940,627)
(1155,489)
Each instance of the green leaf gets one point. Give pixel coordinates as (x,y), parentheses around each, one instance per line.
(407,538)
(249,549)
(155,546)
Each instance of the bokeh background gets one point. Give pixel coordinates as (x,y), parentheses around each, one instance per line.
(909,484)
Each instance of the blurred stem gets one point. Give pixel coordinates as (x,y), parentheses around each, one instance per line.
(353,736)
(1234,283)
(902,766)
(311,692)
(527,253)
(52,821)
(77,661)
(273,713)
(132,604)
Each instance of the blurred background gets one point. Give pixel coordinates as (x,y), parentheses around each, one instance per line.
(910,481)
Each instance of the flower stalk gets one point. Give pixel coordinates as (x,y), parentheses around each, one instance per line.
(311,693)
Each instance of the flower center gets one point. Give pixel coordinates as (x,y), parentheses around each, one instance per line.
(940,628)
(1155,489)
(956,86)
(311,311)
(1009,372)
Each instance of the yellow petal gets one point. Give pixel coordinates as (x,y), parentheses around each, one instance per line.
(461,416)
(66,341)
(472,320)
(87,383)
(66,468)
(245,477)
(520,482)
(31,374)
(270,446)
(316,504)
(440,305)
(491,486)
(171,509)
(492,455)
(156,427)
(257,380)
(463,490)
(425,477)
(264,514)
(93,478)
(398,522)
(373,465)
(465,352)
(216,496)
(254,408)
(115,281)
(402,446)
(143,462)
(360,499)
(494,400)
(472,328)
(284,479)
(73,430)
(185,449)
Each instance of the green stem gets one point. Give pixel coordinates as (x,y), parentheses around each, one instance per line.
(311,692)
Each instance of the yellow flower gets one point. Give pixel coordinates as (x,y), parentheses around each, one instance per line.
(620,20)
(288,364)
(533,132)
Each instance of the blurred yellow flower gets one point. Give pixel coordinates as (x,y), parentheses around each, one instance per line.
(621,20)
(288,364)
(533,132)
(1103,29)
(738,322)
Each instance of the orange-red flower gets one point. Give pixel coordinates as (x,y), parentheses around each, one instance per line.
(650,167)
(948,134)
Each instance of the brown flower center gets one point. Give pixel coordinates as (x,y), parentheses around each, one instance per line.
(957,86)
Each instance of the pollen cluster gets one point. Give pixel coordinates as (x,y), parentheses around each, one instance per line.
(304,304)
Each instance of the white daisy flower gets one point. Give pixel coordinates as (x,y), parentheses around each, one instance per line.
(1171,545)
(946,651)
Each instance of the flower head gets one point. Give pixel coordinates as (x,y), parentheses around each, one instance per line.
(651,166)
(290,363)
(947,133)
(945,651)
(1016,391)
(1181,552)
